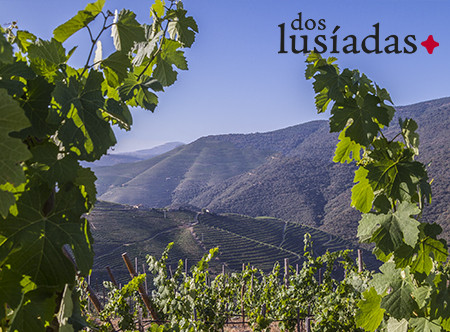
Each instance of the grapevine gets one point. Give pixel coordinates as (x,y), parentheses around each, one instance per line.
(52,116)
(392,188)
(198,301)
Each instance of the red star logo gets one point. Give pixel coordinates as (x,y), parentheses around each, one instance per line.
(430,44)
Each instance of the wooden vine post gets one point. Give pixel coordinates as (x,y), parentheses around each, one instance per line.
(111,276)
(148,304)
(360,261)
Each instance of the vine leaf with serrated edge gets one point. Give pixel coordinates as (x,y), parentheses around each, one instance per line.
(84,131)
(399,303)
(395,173)
(425,325)
(346,150)
(127,31)
(136,93)
(158,7)
(36,106)
(41,237)
(46,57)
(182,28)
(389,231)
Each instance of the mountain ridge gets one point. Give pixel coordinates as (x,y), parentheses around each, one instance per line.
(287,173)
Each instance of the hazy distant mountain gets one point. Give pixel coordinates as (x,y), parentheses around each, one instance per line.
(286,173)
(129,157)
(176,176)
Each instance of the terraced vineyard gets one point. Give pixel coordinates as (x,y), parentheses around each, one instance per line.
(122,228)
(257,241)
(262,241)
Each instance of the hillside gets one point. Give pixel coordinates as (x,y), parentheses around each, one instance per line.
(308,187)
(177,176)
(111,159)
(288,174)
(260,242)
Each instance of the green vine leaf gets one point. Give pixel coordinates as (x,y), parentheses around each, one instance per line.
(17,68)
(85,180)
(118,113)
(424,325)
(35,311)
(36,106)
(387,276)
(362,192)
(172,54)
(46,57)
(127,31)
(395,173)
(363,122)
(116,68)
(389,231)
(12,118)
(370,314)
(6,50)
(346,150)
(69,315)
(10,289)
(49,166)
(84,131)
(79,21)
(422,295)
(429,250)
(399,302)
(158,7)
(409,127)
(394,325)
(136,93)
(41,237)
(164,72)
(24,39)
(182,28)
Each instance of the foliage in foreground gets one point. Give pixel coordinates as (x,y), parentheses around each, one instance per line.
(52,116)
(196,301)
(411,291)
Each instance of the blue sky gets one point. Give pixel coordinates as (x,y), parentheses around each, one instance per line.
(238,83)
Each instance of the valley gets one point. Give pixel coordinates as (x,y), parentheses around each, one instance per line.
(259,242)
(287,174)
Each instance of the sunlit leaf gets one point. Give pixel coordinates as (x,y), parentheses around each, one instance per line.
(85,131)
(182,28)
(79,21)
(362,192)
(370,315)
(127,31)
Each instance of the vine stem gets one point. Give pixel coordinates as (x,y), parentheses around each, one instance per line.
(159,47)
(155,54)
(94,42)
